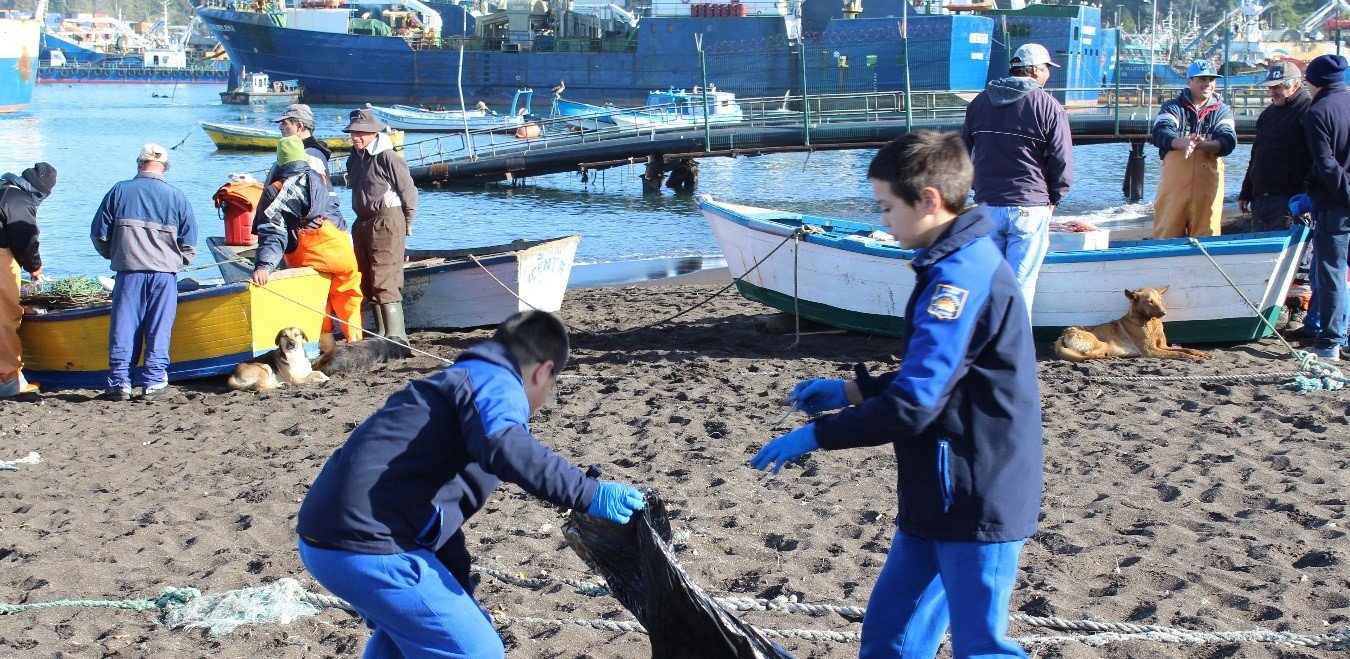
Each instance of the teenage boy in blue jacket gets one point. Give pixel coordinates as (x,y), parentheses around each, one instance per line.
(963,414)
(382,525)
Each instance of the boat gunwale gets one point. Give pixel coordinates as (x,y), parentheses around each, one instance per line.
(204,293)
(450,260)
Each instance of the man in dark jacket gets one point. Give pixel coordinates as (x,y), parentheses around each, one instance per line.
(298,120)
(1019,140)
(1280,157)
(1327,128)
(19,199)
(963,415)
(1193,133)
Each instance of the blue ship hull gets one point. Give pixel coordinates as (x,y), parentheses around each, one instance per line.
(16,89)
(1164,75)
(72,51)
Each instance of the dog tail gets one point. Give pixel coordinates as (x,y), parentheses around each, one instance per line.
(1066,353)
(235,383)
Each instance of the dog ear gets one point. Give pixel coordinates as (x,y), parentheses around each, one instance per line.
(1163,290)
(280,333)
(1131,294)
(304,338)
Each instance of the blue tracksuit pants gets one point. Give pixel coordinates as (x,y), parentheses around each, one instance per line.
(927,585)
(144,305)
(414,605)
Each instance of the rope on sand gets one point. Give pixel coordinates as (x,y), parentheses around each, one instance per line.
(13,465)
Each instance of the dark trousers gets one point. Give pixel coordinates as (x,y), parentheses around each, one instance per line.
(380,241)
(1331,239)
(1271,213)
(144,305)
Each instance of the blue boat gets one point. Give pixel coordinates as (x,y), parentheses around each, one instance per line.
(19,38)
(672,108)
(70,51)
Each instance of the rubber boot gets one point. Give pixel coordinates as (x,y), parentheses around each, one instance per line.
(393,319)
(378,313)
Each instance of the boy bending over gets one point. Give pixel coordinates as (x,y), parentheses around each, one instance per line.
(963,415)
(381,526)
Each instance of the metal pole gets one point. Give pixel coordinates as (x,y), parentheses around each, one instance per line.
(806,105)
(1117,76)
(1152,54)
(703,67)
(904,49)
(1226,18)
(1007,44)
(459,82)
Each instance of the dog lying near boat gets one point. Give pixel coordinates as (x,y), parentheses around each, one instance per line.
(287,364)
(359,356)
(1139,333)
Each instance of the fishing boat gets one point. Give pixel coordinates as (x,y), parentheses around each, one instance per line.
(460,288)
(848,275)
(216,328)
(406,117)
(585,115)
(236,137)
(259,89)
(19,36)
(677,108)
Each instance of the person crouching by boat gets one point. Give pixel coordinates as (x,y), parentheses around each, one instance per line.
(146,228)
(385,202)
(20,196)
(299,219)
(1193,132)
(298,120)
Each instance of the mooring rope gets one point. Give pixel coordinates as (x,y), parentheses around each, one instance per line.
(344,323)
(499,282)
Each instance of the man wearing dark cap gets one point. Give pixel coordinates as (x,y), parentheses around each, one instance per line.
(385,201)
(19,199)
(1193,132)
(1280,158)
(1327,128)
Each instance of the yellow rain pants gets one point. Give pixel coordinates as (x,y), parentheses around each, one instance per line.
(329,250)
(1190,196)
(11,315)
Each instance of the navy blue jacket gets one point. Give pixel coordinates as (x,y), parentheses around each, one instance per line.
(963,412)
(145,225)
(1327,129)
(1280,158)
(413,473)
(296,197)
(1180,118)
(1019,140)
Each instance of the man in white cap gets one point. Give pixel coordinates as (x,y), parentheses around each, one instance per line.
(1193,132)
(1019,141)
(145,227)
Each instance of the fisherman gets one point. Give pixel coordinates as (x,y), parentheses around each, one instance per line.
(385,202)
(146,228)
(1192,132)
(963,415)
(383,524)
(1327,128)
(298,120)
(1019,140)
(1280,158)
(19,199)
(299,218)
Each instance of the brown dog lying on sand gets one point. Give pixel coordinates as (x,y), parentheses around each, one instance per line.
(1139,333)
(287,363)
(359,356)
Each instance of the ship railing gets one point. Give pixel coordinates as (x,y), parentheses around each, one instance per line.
(518,41)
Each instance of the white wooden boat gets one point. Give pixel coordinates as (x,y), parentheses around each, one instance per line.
(408,118)
(677,108)
(453,288)
(848,279)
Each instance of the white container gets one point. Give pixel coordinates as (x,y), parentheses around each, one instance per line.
(1067,241)
(670,8)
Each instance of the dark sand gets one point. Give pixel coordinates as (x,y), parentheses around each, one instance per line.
(1206,506)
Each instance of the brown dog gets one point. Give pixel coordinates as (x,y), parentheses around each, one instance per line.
(287,364)
(1139,333)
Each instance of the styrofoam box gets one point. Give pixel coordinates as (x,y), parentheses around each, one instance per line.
(1068,241)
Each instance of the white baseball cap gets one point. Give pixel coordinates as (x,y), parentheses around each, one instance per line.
(1031,54)
(153,153)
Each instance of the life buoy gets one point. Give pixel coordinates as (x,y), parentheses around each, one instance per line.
(528,131)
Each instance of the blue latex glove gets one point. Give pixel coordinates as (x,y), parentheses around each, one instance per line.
(616,502)
(787,448)
(819,395)
(1300,204)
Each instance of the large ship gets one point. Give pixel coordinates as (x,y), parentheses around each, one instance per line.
(358,52)
(19,36)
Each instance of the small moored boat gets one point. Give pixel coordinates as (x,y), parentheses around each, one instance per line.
(235,137)
(258,89)
(845,276)
(216,328)
(405,117)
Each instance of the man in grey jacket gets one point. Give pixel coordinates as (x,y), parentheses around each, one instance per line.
(145,227)
(1019,142)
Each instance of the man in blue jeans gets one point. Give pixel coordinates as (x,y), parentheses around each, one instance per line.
(145,227)
(1327,128)
(1019,140)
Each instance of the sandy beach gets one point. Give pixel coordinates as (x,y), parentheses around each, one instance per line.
(1209,506)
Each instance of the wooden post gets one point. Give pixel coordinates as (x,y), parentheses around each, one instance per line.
(1133,186)
(655,174)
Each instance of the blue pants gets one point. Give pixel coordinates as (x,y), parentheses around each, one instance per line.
(414,605)
(144,305)
(928,584)
(1331,240)
(1312,320)
(1022,233)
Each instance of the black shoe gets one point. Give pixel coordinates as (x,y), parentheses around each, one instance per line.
(118,393)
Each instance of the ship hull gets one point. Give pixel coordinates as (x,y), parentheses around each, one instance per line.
(18,62)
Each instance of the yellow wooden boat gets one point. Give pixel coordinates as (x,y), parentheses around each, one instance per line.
(234,137)
(216,328)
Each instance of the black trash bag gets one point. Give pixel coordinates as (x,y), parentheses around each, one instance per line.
(643,574)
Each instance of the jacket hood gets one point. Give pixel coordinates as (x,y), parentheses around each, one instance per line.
(1185,97)
(380,144)
(967,226)
(315,143)
(1009,90)
(492,353)
(23,184)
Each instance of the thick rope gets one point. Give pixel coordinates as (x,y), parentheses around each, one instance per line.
(13,465)
(499,282)
(167,598)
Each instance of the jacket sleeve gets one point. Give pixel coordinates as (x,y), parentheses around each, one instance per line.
(1166,126)
(275,208)
(1245,194)
(1058,154)
(1327,175)
(187,230)
(496,435)
(937,358)
(400,178)
(22,231)
(103,221)
(1225,130)
(967,135)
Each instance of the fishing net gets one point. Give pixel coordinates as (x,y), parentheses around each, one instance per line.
(637,561)
(66,293)
(282,601)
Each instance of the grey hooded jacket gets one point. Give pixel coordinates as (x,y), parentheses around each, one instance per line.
(1018,137)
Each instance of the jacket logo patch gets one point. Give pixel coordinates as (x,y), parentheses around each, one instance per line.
(947,302)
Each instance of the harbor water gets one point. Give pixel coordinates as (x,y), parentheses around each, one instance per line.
(92,134)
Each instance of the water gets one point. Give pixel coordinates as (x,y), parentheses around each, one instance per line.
(92,134)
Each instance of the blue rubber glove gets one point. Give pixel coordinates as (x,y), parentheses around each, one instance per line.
(819,395)
(616,502)
(787,448)
(1300,204)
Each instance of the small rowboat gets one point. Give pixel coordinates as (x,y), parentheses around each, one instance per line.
(235,137)
(461,288)
(847,278)
(216,328)
(408,118)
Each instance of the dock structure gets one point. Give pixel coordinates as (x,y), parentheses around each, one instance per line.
(859,122)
